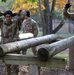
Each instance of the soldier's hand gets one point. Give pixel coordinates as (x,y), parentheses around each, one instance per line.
(68,5)
(1,14)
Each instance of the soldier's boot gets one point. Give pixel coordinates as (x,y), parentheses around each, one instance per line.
(34,50)
(15,70)
(8,69)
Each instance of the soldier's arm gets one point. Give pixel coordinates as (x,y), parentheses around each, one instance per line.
(22,27)
(16,30)
(1,21)
(66,14)
(19,23)
(35,29)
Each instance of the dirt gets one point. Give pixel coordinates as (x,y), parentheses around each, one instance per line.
(23,70)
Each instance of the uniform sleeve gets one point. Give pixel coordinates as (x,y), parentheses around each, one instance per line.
(1,22)
(22,27)
(68,15)
(16,32)
(35,29)
(19,23)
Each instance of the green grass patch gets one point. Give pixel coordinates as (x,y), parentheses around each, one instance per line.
(65,35)
(62,55)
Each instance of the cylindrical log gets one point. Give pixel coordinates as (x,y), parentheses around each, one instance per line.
(24,44)
(44,53)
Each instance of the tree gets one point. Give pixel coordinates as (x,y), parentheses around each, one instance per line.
(3,0)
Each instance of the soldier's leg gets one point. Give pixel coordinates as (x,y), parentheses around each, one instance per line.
(15,69)
(24,51)
(8,69)
(34,50)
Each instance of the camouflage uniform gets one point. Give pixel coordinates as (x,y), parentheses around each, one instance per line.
(9,33)
(30,26)
(66,14)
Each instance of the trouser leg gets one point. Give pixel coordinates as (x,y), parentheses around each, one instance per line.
(8,69)
(34,50)
(12,69)
(15,69)
(24,51)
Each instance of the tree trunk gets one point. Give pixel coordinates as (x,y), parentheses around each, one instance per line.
(42,18)
(47,17)
(51,16)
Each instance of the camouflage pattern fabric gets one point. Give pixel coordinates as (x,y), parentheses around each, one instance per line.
(19,22)
(9,32)
(21,14)
(31,26)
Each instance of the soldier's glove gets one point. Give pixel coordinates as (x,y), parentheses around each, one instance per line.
(68,5)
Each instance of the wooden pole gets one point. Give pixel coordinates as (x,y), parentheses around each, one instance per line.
(24,44)
(71,58)
(34,70)
(19,59)
(44,53)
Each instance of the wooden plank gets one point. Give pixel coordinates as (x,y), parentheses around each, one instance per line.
(19,59)
(71,58)
(33,70)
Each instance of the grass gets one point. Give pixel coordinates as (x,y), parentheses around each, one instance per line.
(62,35)
(62,55)
(65,35)
(29,51)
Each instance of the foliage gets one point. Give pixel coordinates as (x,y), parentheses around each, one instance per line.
(29,4)
(26,5)
(59,4)
(32,1)
(58,15)
(3,0)
(37,17)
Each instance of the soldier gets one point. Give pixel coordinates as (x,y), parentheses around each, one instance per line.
(9,33)
(68,15)
(18,18)
(21,14)
(29,26)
